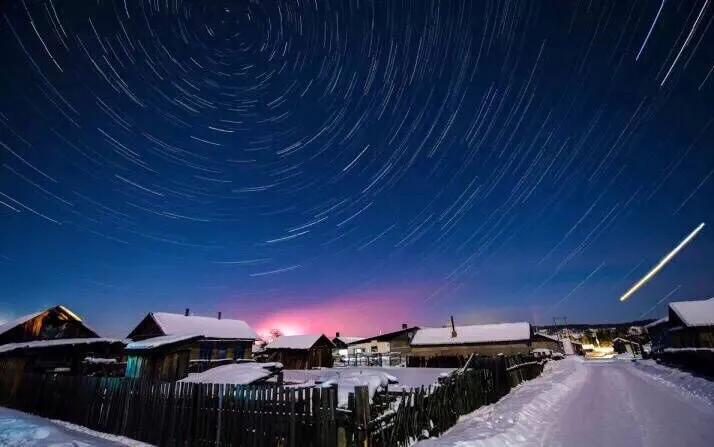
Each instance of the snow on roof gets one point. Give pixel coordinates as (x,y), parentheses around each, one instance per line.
(657,322)
(695,313)
(550,337)
(345,339)
(235,373)
(56,342)
(157,342)
(480,333)
(294,341)
(178,324)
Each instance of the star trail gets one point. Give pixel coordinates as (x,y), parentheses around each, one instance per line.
(355,164)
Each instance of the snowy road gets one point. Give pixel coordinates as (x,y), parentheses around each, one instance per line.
(19,429)
(594,404)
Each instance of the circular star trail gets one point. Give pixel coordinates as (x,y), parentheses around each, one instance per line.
(525,158)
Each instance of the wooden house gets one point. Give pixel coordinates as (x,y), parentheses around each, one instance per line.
(691,324)
(341,343)
(392,342)
(221,339)
(658,332)
(452,344)
(301,351)
(53,340)
(624,346)
(163,358)
(540,340)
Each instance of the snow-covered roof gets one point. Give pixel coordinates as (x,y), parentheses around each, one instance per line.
(346,339)
(480,333)
(178,324)
(695,313)
(157,342)
(8,325)
(294,341)
(235,373)
(657,322)
(56,342)
(550,337)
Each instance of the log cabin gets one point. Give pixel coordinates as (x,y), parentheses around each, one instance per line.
(301,351)
(163,358)
(220,340)
(391,342)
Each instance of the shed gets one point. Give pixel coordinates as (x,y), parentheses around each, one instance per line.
(301,351)
(164,358)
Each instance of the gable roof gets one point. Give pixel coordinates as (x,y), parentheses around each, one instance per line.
(295,341)
(12,324)
(695,313)
(345,339)
(384,337)
(479,333)
(209,327)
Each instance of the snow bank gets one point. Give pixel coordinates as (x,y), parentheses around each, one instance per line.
(520,418)
(683,382)
(481,333)
(18,429)
(236,373)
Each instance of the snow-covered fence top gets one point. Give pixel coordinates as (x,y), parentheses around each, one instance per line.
(479,333)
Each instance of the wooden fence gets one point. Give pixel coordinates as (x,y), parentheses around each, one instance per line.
(421,413)
(189,414)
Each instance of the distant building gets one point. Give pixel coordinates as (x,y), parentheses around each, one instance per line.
(341,344)
(53,340)
(214,339)
(301,351)
(462,341)
(541,340)
(392,342)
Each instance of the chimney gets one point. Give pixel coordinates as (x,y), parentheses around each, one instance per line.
(186,313)
(219,315)
(453,328)
(337,335)
(404,326)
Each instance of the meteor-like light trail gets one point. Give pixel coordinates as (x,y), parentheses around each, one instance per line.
(662,263)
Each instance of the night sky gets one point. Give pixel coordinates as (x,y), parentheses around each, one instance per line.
(338,165)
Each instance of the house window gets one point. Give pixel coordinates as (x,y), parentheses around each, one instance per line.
(222,352)
(374,348)
(206,351)
(239,351)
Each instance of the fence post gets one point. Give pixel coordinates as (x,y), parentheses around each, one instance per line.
(361,415)
(221,391)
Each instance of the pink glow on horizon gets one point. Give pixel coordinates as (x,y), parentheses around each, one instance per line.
(362,314)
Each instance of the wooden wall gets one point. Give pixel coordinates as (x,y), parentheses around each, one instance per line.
(465,350)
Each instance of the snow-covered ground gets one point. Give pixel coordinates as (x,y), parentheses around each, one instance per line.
(594,403)
(373,377)
(19,429)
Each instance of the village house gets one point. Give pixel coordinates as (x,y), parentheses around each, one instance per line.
(658,331)
(540,340)
(624,346)
(301,351)
(213,340)
(341,343)
(396,342)
(691,324)
(53,340)
(455,343)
